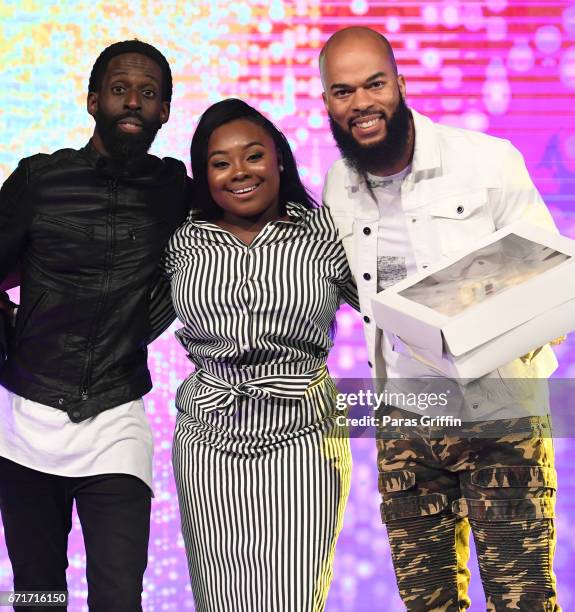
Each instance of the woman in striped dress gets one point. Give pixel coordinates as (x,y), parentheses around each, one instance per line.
(262,471)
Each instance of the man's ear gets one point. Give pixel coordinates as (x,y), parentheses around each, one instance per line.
(324,98)
(92,103)
(165,112)
(401,84)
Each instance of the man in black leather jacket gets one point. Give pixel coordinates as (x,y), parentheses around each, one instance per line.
(87,229)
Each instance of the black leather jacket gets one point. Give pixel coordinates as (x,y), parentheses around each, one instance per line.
(88,236)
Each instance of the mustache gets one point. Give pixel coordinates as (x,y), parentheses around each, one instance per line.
(132,115)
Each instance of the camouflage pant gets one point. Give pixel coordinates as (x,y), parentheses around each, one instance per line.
(498,480)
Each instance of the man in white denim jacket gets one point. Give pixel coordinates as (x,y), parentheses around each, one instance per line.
(408,192)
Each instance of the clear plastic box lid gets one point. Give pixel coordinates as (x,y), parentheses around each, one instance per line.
(509,262)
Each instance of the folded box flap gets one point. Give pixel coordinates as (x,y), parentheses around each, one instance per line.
(406,326)
(469,331)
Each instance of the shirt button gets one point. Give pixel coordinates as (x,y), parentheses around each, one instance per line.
(61,401)
(366,319)
(413,220)
(367,231)
(367,276)
(460,209)
(76,414)
(370,364)
(245,347)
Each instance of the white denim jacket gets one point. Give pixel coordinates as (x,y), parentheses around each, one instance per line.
(463,185)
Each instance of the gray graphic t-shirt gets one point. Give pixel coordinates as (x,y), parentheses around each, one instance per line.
(395,261)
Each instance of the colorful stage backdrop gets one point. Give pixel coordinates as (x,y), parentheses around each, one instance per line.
(506,67)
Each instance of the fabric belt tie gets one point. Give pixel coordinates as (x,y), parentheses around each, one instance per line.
(221,395)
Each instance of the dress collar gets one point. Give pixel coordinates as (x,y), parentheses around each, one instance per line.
(297,214)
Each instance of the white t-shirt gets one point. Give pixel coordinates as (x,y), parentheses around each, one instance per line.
(395,261)
(118,440)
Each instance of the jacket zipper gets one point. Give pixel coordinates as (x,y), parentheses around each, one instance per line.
(87,377)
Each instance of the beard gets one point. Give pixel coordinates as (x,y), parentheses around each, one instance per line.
(385,153)
(121,146)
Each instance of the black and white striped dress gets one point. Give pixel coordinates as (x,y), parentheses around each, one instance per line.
(262,476)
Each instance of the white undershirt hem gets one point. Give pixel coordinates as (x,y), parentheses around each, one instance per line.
(42,438)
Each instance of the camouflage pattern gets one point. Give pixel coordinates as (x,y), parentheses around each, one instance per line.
(437,486)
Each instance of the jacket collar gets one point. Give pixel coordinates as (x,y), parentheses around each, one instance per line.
(91,154)
(426,153)
(144,166)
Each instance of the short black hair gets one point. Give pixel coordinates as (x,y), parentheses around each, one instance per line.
(131,46)
(291,187)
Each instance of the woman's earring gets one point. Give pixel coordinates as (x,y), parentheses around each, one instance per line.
(281,168)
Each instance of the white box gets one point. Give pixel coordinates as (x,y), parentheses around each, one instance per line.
(511,293)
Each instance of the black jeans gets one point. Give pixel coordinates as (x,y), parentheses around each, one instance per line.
(114,511)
